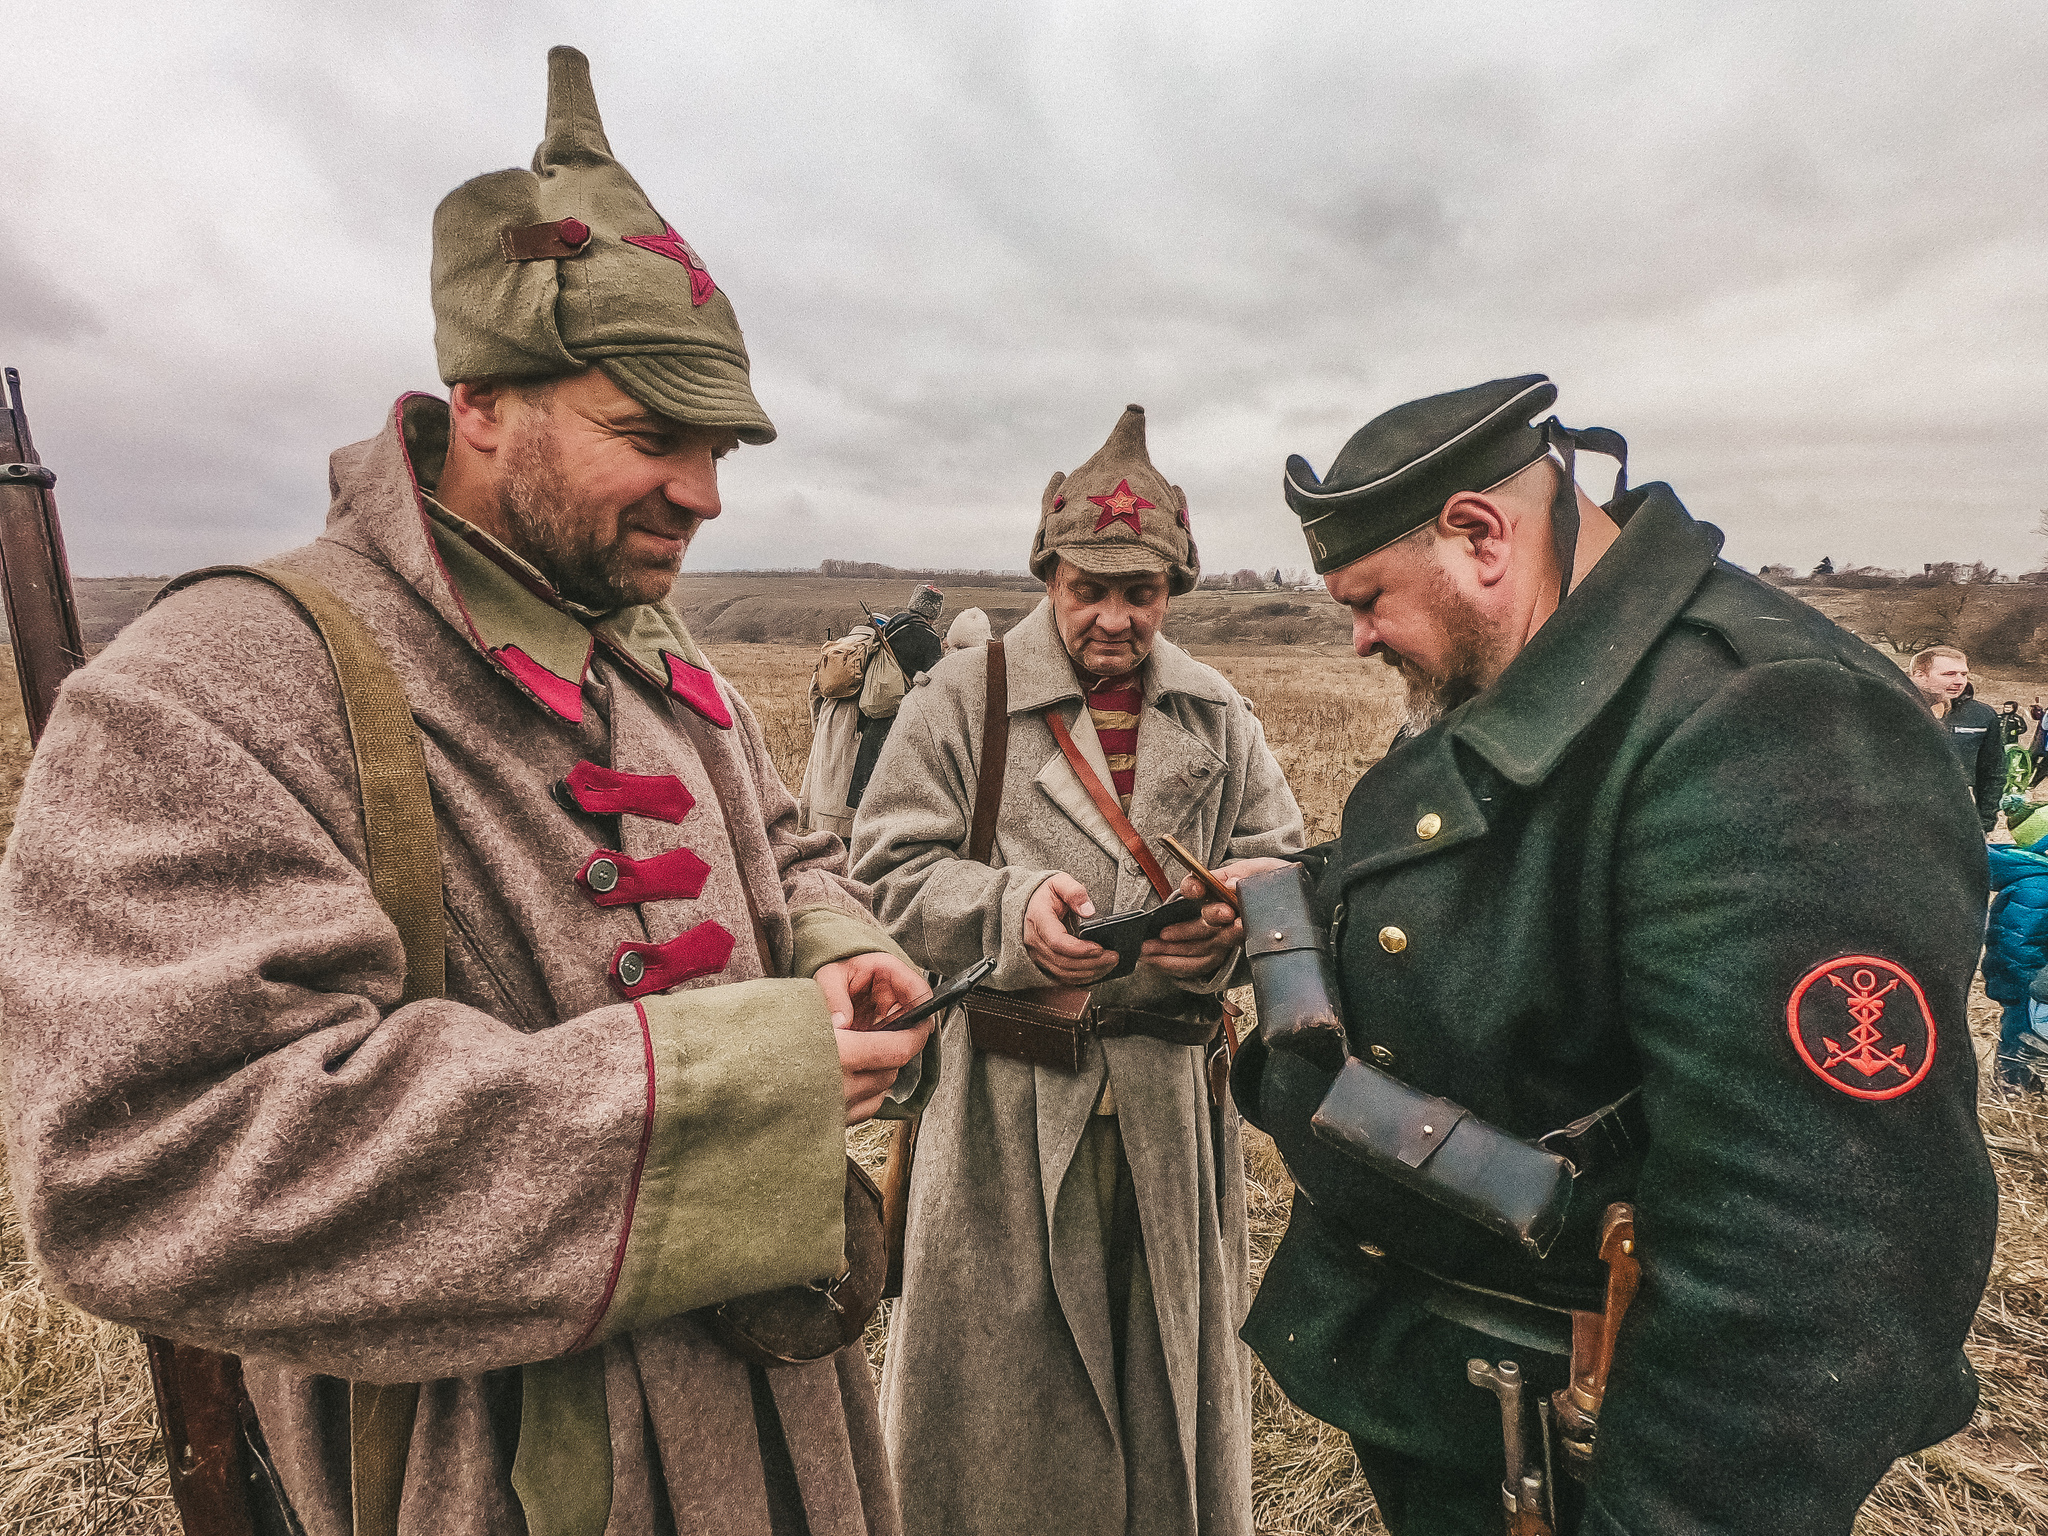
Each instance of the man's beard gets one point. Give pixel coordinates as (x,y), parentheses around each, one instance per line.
(1472,651)
(535,500)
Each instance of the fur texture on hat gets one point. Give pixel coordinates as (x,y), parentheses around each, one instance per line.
(1117,516)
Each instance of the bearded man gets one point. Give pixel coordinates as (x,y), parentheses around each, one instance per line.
(1596,895)
(234,1123)
(1064,1358)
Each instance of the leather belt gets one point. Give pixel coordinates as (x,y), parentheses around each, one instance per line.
(1115,1023)
(1497,1314)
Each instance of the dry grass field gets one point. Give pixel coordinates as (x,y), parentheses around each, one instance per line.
(78,1453)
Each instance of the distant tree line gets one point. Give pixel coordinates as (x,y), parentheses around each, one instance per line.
(1972,605)
(869,570)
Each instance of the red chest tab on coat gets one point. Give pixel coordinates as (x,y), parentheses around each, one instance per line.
(638,969)
(1862,1024)
(696,687)
(601,791)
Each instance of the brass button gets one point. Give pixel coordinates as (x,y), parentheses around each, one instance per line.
(1393,940)
(603,876)
(1383,1055)
(1429,826)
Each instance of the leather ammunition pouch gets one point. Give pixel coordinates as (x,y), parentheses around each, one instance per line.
(1292,976)
(800,1323)
(1511,1187)
(1435,1148)
(1049,1026)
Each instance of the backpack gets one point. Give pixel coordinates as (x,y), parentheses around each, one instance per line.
(843,664)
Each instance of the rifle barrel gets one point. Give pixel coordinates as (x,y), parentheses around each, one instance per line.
(42,614)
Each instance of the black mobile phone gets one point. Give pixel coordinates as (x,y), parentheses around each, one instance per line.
(1126,932)
(944,996)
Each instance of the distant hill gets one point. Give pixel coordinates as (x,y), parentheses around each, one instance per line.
(799,607)
(107,603)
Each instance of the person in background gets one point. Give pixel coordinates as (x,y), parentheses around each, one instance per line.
(968,630)
(2019,762)
(2016,942)
(1064,1360)
(2039,745)
(909,646)
(835,732)
(1942,674)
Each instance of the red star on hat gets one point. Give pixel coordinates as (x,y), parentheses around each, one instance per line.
(1120,506)
(672,245)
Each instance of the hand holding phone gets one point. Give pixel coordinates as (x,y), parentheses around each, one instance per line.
(944,996)
(1125,933)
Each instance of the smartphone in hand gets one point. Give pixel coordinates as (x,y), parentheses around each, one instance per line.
(1126,932)
(944,996)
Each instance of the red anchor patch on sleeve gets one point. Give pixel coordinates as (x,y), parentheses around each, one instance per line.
(1863,1025)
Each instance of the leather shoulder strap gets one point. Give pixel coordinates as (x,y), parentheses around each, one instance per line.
(1105,802)
(398,810)
(995,756)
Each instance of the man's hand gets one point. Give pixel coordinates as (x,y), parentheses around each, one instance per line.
(1076,962)
(1191,951)
(866,991)
(862,991)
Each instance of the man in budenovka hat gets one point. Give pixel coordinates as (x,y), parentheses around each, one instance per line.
(629,1106)
(1064,1358)
(1597,895)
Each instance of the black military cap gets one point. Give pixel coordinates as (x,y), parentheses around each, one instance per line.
(1400,468)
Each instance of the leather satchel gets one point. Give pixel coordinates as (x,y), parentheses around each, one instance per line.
(801,1323)
(1042,1025)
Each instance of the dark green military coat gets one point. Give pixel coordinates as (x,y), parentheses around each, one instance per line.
(1690,824)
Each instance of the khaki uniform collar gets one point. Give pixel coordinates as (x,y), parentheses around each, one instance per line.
(506,609)
(1041,673)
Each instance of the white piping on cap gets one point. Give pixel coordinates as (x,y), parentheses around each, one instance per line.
(1420,458)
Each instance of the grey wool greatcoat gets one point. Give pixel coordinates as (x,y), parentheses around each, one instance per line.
(1001,1405)
(224,1128)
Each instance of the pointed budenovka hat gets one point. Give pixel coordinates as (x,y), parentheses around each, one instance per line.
(1116,515)
(551,270)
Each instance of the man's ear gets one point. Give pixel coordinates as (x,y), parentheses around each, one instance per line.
(1482,526)
(480,413)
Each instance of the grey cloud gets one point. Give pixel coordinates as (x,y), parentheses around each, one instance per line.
(34,303)
(1793,252)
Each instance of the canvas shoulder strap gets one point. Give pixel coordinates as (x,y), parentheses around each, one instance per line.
(995,755)
(398,811)
(405,874)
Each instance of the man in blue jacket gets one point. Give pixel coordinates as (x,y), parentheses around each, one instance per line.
(2016,940)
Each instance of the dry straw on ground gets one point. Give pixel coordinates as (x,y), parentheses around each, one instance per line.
(78,1454)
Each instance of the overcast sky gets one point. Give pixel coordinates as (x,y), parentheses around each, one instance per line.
(1795,252)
